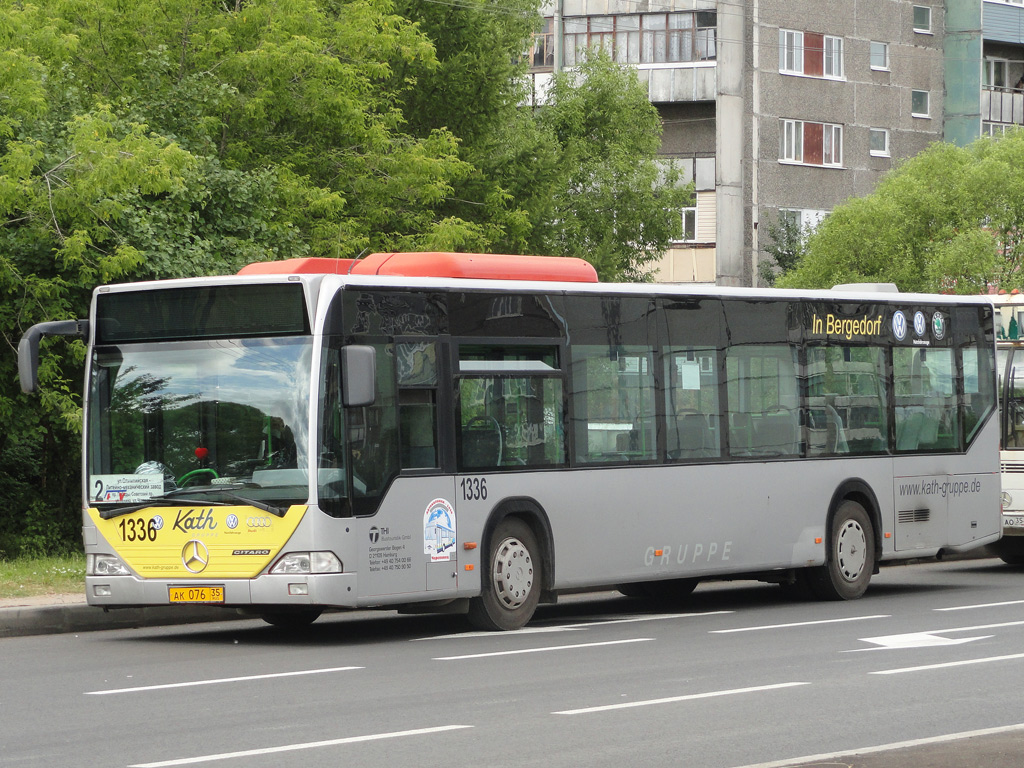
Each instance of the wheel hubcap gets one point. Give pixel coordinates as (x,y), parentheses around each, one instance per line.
(513,573)
(851,550)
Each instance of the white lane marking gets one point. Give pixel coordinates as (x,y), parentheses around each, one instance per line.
(947,664)
(799,624)
(221,680)
(573,627)
(674,699)
(913,640)
(296,747)
(832,756)
(543,650)
(921,639)
(981,605)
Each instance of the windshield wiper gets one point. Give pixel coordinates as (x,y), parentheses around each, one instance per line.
(108,514)
(172,499)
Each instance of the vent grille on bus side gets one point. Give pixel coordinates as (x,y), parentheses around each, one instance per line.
(915,515)
(1014,467)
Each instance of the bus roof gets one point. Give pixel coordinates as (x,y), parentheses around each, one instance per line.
(480,266)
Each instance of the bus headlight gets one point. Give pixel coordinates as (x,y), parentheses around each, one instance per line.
(308,562)
(105,565)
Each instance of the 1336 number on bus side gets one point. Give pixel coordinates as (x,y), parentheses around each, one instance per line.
(474,488)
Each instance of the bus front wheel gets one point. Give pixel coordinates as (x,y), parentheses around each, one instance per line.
(511,581)
(850,559)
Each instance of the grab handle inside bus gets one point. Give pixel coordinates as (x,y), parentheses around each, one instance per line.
(28,347)
(359,364)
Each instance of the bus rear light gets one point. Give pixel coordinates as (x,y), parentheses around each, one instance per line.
(308,562)
(105,565)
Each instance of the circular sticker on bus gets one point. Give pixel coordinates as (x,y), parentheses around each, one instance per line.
(938,326)
(920,324)
(899,325)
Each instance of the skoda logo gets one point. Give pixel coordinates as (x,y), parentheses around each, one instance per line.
(195,556)
(938,326)
(899,325)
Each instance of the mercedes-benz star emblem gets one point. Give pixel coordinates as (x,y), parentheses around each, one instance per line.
(195,556)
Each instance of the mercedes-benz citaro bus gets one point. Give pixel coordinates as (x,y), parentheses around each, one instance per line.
(477,433)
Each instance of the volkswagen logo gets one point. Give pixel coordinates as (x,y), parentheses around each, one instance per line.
(195,556)
(899,325)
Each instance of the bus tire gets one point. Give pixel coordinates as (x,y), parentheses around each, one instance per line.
(850,558)
(1010,550)
(291,619)
(511,581)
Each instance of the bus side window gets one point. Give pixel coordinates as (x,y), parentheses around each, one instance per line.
(691,404)
(416,368)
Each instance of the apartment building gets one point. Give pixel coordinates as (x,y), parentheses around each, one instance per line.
(783,109)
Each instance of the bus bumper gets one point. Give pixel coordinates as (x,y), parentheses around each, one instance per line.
(322,589)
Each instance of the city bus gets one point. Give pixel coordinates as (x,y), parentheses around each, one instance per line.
(1010,369)
(477,434)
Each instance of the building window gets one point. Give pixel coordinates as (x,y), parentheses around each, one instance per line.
(811,54)
(993,73)
(791,51)
(689,224)
(811,143)
(642,38)
(879,55)
(922,18)
(919,104)
(542,53)
(878,142)
(791,148)
(832,145)
(833,63)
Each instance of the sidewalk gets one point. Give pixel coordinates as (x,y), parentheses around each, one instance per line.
(54,614)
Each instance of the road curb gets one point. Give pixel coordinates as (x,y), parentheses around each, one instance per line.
(20,621)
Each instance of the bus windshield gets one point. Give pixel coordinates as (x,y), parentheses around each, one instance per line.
(222,420)
(1011,390)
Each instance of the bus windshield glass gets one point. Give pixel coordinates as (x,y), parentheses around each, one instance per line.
(1011,389)
(221,420)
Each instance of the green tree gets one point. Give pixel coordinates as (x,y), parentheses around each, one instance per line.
(613,202)
(950,219)
(785,247)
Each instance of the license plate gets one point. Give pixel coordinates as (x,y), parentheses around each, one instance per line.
(1013,522)
(196,594)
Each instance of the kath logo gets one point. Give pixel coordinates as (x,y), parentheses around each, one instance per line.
(189,521)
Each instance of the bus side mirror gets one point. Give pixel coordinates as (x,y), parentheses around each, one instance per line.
(28,347)
(359,377)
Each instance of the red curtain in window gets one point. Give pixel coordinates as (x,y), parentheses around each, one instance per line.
(814,54)
(812,143)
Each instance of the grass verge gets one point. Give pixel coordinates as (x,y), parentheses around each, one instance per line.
(30,576)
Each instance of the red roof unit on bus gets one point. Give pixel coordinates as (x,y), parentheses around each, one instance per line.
(480,266)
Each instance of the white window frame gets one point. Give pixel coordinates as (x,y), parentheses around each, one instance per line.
(884,133)
(989,71)
(885,55)
(927,104)
(689,212)
(832,145)
(791,52)
(791,143)
(924,30)
(832,58)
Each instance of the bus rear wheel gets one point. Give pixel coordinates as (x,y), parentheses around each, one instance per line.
(850,559)
(511,581)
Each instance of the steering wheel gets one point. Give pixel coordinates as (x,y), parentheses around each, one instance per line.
(194,472)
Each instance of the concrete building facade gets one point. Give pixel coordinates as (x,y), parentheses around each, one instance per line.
(782,110)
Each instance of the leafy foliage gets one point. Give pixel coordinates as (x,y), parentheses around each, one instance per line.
(184,137)
(949,220)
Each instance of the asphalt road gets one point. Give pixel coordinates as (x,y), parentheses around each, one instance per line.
(924,672)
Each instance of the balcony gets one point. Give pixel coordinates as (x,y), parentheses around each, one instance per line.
(1002,105)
